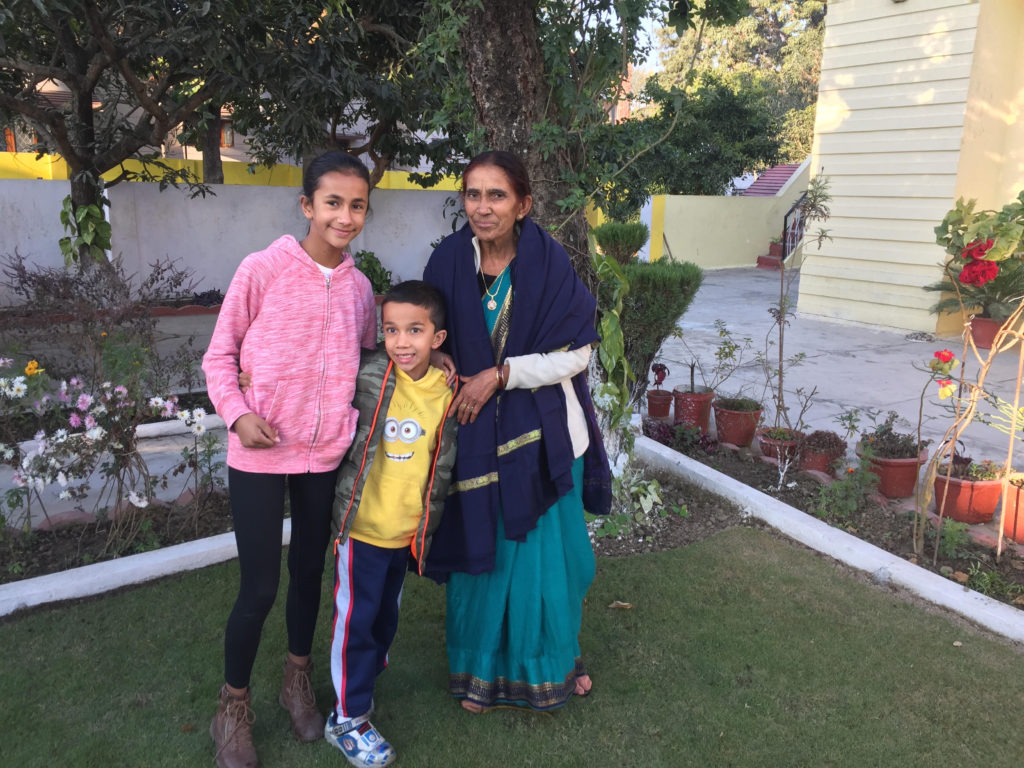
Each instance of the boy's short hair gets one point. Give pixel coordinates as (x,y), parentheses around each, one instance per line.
(420,294)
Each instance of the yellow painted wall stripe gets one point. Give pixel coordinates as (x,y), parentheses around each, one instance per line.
(657,244)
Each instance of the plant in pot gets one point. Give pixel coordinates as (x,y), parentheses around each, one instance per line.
(379,277)
(659,401)
(693,401)
(780,440)
(896,457)
(775,249)
(966,491)
(983,274)
(990,302)
(622,240)
(736,419)
(822,451)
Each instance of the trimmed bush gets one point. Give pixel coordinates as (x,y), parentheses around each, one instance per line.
(659,294)
(622,239)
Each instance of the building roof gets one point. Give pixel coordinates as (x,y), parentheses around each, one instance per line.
(771,181)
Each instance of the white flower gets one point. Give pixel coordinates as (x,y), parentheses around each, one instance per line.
(198,428)
(60,435)
(18,388)
(65,494)
(184,415)
(199,414)
(106,385)
(62,479)
(156,402)
(96,433)
(137,500)
(8,453)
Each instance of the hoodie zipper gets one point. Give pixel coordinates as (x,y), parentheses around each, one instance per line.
(323,374)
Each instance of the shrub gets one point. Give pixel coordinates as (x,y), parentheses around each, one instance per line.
(659,294)
(368,263)
(622,239)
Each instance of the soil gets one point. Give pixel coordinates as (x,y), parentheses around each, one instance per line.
(885,523)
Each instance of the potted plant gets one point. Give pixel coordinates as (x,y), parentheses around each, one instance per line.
(990,302)
(896,457)
(775,250)
(983,275)
(1013,517)
(968,492)
(622,240)
(693,402)
(659,401)
(736,419)
(822,451)
(780,440)
(380,278)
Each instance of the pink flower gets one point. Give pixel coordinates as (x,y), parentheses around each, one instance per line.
(84,401)
(75,420)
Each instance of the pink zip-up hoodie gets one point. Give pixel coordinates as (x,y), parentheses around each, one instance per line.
(298,334)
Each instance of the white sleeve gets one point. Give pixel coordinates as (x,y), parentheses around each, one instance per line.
(538,370)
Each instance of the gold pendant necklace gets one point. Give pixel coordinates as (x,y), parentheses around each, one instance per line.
(491,303)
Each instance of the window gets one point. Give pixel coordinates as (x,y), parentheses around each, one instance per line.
(227,133)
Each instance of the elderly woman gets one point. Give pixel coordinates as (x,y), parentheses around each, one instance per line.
(513,543)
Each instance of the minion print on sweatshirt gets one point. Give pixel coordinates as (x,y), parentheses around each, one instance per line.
(393,495)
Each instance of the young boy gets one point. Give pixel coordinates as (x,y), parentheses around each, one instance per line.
(388,501)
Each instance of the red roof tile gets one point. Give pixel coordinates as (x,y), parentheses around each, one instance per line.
(771,181)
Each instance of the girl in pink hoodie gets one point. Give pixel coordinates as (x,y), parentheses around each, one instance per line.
(295,317)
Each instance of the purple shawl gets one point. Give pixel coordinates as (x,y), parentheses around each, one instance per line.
(551,309)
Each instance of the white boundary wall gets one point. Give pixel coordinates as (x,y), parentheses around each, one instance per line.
(211,235)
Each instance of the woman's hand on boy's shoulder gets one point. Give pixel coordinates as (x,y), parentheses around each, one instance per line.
(444,362)
(244,380)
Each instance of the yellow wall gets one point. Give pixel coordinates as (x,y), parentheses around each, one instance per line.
(23,165)
(719,232)
(890,125)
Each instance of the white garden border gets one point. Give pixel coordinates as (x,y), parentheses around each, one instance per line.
(884,567)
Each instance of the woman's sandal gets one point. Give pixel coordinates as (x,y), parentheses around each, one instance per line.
(472,706)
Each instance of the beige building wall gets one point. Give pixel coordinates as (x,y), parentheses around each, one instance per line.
(716,232)
(894,115)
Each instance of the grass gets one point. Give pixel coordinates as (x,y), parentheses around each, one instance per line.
(742,650)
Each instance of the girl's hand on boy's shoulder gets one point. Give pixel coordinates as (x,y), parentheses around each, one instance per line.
(254,432)
(244,380)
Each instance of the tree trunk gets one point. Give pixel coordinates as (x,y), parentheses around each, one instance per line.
(506,78)
(213,168)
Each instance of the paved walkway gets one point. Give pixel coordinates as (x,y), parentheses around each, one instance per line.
(853,366)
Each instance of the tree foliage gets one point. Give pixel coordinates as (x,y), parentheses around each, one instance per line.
(695,143)
(775,52)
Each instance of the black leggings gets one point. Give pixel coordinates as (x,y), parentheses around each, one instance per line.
(257,511)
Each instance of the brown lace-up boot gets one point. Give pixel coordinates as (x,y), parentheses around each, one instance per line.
(231,730)
(297,697)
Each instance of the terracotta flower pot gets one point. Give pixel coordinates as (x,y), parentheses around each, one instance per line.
(896,477)
(736,427)
(775,250)
(776,448)
(967,501)
(693,408)
(819,462)
(1013,521)
(984,330)
(659,403)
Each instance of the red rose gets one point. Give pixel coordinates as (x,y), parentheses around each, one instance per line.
(944,355)
(977,249)
(979,272)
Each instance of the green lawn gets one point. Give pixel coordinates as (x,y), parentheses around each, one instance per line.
(740,651)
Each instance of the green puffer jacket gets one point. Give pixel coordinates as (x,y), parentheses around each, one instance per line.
(375,385)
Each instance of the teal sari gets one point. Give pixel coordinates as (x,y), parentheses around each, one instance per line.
(513,633)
